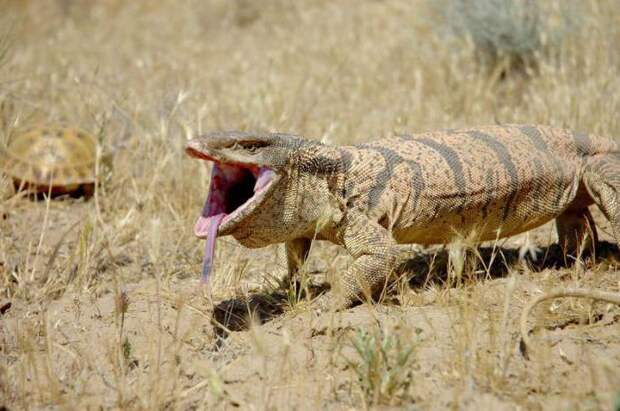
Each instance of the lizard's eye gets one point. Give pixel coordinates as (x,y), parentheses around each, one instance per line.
(252,149)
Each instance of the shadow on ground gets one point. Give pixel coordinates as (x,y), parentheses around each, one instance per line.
(422,271)
(497,262)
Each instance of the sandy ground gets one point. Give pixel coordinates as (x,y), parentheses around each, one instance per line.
(185,348)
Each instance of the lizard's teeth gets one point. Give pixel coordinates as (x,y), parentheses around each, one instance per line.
(264,177)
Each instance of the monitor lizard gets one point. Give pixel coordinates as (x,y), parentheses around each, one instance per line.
(427,188)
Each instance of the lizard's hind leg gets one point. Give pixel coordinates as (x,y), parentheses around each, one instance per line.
(602,180)
(576,232)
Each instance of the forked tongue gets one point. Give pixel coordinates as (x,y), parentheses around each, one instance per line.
(213,212)
(211,217)
(211,224)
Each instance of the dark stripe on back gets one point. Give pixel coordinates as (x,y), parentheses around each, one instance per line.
(504,158)
(452,159)
(583,144)
(535,137)
(382,179)
(417,181)
(392,159)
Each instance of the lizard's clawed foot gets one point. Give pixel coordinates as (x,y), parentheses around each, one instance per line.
(330,302)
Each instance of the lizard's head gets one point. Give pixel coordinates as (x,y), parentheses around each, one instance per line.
(248,185)
(248,169)
(255,191)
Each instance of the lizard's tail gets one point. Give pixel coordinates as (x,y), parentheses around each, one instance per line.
(526,342)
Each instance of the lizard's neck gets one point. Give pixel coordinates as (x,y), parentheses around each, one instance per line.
(319,170)
(315,188)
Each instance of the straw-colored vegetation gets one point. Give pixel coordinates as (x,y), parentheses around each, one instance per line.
(100,302)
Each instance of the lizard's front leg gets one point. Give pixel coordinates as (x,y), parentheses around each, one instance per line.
(296,254)
(374,251)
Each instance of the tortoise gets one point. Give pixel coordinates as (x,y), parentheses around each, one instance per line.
(55,159)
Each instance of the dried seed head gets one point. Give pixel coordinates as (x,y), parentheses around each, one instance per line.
(122,302)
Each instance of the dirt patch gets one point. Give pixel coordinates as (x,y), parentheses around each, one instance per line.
(95,347)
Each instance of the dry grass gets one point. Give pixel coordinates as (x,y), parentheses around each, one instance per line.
(104,304)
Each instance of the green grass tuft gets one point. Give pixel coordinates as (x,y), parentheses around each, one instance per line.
(384,366)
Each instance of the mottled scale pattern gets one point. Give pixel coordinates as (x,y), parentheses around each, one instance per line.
(54,155)
(432,186)
(489,182)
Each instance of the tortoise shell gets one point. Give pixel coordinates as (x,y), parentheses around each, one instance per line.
(53,157)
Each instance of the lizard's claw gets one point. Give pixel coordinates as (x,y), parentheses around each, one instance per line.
(330,302)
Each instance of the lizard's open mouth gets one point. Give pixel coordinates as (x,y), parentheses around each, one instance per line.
(235,190)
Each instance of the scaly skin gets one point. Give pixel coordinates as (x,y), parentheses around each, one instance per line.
(428,188)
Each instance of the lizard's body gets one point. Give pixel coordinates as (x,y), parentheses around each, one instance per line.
(436,184)
(427,188)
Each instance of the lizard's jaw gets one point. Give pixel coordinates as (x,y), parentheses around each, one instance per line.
(237,188)
(234,192)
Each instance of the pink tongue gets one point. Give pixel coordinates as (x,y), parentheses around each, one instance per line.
(211,216)
(209,226)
